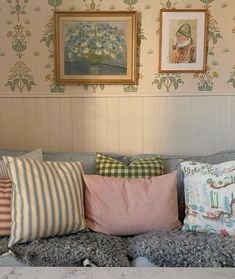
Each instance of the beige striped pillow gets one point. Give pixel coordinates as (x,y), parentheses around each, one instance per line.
(3,170)
(47,199)
(5,206)
(35,154)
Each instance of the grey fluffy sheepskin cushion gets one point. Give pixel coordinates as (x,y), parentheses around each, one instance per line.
(169,249)
(4,245)
(72,250)
(184,249)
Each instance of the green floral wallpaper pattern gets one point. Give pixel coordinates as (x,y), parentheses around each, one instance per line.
(27,47)
(19,78)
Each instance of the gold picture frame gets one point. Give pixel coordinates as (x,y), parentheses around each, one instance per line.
(96,47)
(183,40)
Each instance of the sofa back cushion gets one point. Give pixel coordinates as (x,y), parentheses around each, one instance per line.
(121,206)
(47,199)
(144,168)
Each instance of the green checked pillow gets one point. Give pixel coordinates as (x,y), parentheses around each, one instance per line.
(144,168)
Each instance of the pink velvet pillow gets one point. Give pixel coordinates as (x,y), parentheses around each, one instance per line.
(122,206)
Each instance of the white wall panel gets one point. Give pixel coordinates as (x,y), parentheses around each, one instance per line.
(100,128)
(148,125)
(89,124)
(184,126)
(42,127)
(53,124)
(172,124)
(16,137)
(29,124)
(5,123)
(160,124)
(78,115)
(136,125)
(209,132)
(125,125)
(196,119)
(132,124)
(66,124)
(232,124)
(223,122)
(112,125)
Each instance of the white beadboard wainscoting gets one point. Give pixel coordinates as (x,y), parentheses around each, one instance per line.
(187,125)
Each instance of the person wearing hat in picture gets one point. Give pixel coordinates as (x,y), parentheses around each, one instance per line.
(184,50)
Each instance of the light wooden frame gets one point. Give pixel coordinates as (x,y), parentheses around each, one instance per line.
(104,51)
(191,23)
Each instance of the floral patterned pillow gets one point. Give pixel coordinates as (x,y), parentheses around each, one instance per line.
(209,197)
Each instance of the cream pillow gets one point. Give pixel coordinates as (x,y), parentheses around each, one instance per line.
(47,199)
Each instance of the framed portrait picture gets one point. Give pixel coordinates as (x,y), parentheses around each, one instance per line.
(95,47)
(183,40)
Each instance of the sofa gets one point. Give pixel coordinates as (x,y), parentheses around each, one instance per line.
(156,248)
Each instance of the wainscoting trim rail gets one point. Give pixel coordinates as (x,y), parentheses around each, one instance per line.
(111,95)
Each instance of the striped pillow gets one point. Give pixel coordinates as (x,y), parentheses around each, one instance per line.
(5,206)
(47,199)
(3,170)
(144,168)
(35,154)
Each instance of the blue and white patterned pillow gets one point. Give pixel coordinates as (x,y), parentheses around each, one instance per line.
(209,197)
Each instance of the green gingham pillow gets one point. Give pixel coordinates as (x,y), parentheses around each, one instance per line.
(144,168)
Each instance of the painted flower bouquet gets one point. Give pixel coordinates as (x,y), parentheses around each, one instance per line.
(94,42)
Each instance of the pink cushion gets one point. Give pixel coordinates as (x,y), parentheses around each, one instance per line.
(122,206)
(5,206)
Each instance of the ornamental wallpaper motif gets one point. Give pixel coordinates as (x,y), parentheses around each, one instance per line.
(27,48)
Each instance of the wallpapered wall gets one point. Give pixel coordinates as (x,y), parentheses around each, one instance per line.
(27,56)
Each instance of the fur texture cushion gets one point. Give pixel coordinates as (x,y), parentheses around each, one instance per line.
(170,249)
(184,249)
(4,245)
(72,250)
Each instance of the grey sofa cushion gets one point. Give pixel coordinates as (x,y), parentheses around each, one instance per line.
(86,158)
(72,250)
(8,259)
(184,249)
(13,153)
(171,162)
